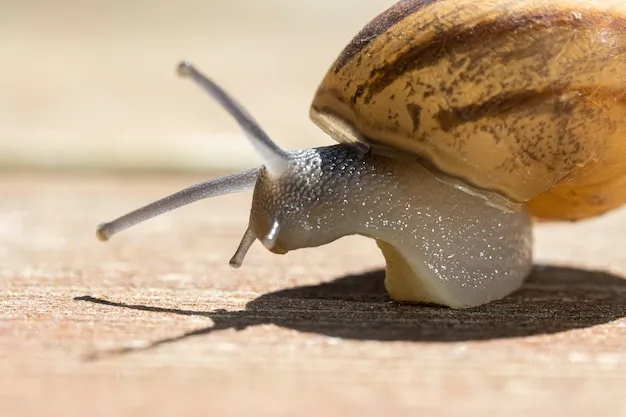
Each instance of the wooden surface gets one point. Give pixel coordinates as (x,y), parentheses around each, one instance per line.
(156,323)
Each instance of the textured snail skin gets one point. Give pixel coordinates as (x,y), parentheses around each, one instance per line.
(441,244)
(522,98)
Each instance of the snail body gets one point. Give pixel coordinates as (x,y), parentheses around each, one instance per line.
(440,243)
(457,124)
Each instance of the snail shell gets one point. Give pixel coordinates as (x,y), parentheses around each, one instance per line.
(523,101)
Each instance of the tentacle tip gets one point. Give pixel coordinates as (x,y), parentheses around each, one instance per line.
(101,234)
(235,263)
(184,68)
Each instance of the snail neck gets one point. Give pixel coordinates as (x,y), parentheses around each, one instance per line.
(441,244)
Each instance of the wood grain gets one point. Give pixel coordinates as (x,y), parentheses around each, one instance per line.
(155,323)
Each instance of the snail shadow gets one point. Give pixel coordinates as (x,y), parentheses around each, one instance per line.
(555,299)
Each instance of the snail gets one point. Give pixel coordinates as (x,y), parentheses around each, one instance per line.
(459,124)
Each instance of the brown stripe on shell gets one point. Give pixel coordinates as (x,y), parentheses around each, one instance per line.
(498,105)
(379,25)
(461,39)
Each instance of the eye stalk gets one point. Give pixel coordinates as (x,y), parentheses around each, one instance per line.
(274,158)
(229,184)
(275,163)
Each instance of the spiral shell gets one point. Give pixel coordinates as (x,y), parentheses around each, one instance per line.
(522,99)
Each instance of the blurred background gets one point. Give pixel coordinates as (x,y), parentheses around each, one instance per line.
(92,84)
